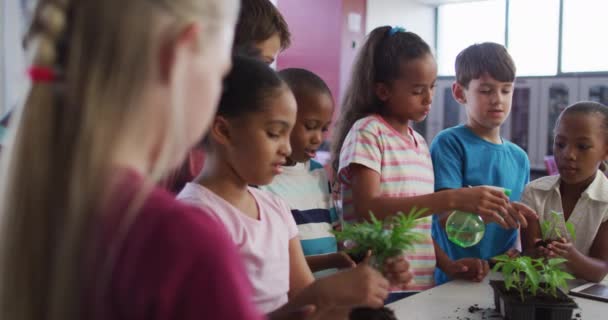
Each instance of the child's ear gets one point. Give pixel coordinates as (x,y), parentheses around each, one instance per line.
(221,130)
(383,92)
(184,46)
(458,93)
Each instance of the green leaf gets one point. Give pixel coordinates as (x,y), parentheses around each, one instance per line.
(535,272)
(571,230)
(545,228)
(386,238)
(502,258)
(556,261)
(498,266)
(508,268)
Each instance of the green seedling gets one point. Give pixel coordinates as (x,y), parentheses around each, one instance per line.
(550,230)
(532,276)
(385,239)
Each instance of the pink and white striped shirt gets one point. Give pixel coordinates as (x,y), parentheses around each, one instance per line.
(405,168)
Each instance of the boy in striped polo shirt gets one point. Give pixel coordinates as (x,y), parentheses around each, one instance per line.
(304,184)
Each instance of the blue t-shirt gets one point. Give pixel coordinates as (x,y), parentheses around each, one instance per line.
(461,159)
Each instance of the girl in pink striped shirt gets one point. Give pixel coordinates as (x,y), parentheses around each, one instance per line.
(382,165)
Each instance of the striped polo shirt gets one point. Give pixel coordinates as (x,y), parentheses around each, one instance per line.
(405,168)
(305,188)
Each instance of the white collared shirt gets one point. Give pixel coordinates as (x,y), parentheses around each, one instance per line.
(590,211)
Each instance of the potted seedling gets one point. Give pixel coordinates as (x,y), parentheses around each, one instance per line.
(384,238)
(531,289)
(551,231)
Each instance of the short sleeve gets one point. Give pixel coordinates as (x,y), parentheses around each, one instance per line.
(360,147)
(447,155)
(287,217)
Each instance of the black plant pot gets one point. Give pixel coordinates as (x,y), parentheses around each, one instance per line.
(540,307)
(372,314)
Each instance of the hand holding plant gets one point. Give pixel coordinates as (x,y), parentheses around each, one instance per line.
(396,270)
(562,248)
(359,286)
(551,231)
(385,239)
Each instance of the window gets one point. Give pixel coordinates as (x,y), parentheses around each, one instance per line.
(533,43)
(584,44)
(463,24)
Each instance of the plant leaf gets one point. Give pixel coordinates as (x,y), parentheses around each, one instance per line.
(545,227)
(556,261)
(571,230)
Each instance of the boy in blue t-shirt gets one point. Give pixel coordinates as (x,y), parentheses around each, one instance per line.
(475,154)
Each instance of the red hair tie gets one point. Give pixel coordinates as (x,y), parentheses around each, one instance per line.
(41,74)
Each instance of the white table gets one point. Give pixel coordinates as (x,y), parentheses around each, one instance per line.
(453,299)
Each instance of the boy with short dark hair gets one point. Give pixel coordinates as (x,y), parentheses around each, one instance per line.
(475,154)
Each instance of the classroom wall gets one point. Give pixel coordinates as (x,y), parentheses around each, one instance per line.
(315,42)
(322,38)
(354,17)
(411,15)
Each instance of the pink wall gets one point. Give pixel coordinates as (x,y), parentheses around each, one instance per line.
(321,41)
(352,40)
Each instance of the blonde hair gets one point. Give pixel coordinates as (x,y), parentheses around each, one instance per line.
(57,164)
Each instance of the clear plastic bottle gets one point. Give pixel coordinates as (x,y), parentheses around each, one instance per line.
(466,229)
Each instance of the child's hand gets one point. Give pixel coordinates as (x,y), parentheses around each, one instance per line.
(359,286)
(513,253)
(562,248)
(342,260)
(468,269)
(397,271)
(488,202)
(519,214)
(540,250)
(286,312)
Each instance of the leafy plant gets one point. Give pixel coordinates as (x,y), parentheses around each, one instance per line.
(553,276)
(528,275)
(388,238)
(550,227)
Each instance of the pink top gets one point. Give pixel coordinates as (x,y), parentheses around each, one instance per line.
(175,263)
(263,243)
